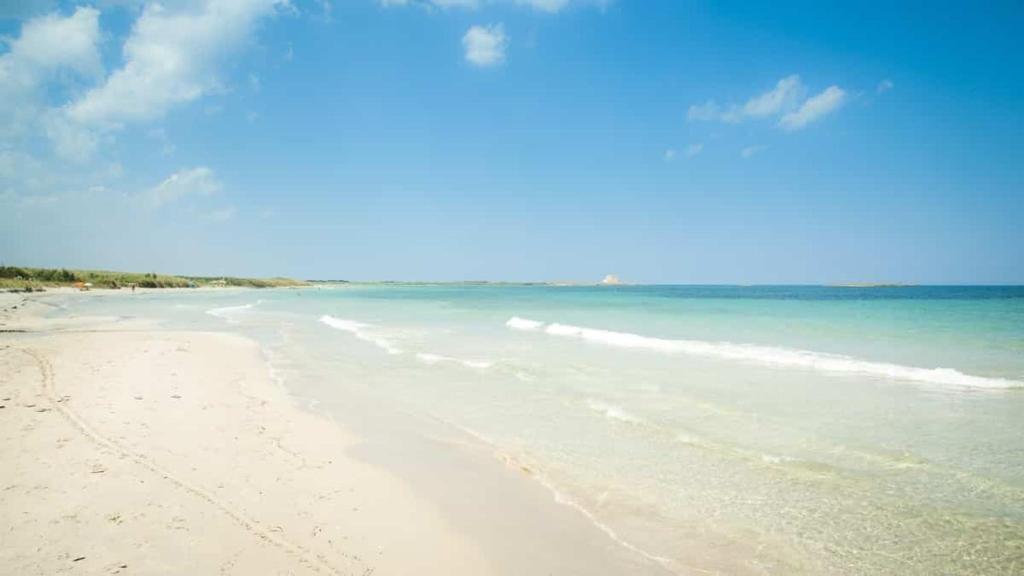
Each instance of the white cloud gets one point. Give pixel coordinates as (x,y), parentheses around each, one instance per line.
(485,45)
(326,9)
(50,42)
(751,150)
(545,5)
(784,96)
(690,151)
(171,57)
(786,101)
(70,140)
(46,50)
(705,112)
(814,108)
(885,86)
(198,181)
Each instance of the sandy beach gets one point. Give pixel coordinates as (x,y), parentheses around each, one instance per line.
(131,449)
(464,430)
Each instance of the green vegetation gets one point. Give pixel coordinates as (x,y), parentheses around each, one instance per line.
(30,279)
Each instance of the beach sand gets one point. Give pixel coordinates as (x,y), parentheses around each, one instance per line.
(125,448)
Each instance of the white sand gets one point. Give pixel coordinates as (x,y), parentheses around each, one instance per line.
(126,449)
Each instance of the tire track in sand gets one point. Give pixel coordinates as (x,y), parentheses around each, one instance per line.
(314,561)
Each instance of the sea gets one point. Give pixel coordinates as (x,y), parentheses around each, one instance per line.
(708,429)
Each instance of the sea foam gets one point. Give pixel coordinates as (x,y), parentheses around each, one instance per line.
(559,496)
(517,323)
(429,358)
(613,412)
(361,331)
(771,356)
(229,312)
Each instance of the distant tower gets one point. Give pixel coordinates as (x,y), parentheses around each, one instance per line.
(610,280)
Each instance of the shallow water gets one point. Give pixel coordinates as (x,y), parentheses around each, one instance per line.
(746,429)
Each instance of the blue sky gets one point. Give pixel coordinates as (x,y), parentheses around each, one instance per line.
(663,141)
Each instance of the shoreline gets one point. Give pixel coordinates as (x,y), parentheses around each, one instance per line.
(176,434)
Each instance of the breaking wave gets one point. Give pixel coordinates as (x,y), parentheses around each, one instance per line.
(428,358)
(361,331)
(229,313)
(769,355)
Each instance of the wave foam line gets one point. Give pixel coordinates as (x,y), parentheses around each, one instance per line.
(603,527)
(358,329)
(517,323)
(228,312)
(428,358)
(613,412)
(560,498)
(779,357)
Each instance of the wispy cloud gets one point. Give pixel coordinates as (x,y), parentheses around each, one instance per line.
(814,108)
(188,182)
(884,86)
(750,151)
(690,151)
(784,96)
(785,99)
(545,5)
(485,45)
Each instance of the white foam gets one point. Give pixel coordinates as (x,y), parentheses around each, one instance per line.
(229,312)
(691,439)
(428,358)
(343,324)
(778,356)
(613,412)
(611,533)
(361,331)
(517,323)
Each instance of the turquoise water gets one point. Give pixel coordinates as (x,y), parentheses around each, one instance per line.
(795,430)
